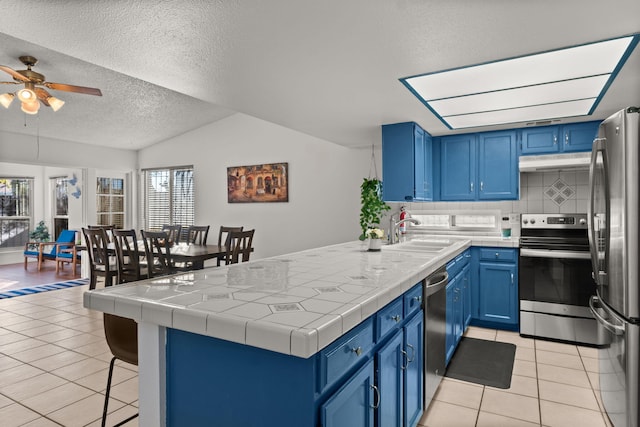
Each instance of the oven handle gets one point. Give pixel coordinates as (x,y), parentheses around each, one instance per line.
(545,253)
(615,329)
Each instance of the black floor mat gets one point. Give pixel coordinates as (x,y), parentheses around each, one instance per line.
(483,362)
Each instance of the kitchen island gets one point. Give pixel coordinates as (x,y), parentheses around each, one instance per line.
(249,344)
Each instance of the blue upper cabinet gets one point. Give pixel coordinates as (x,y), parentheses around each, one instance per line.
(406,163)
(498,166)
(559,139)
(480,166)
(458,167)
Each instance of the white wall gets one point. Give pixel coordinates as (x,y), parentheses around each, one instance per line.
(324,182)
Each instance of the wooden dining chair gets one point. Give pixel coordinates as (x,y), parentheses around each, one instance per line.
(100,263)
(239,248)
(173,233)
(158,253)
(122,338)
(223,240)
(197,234)
(107,228)
(128,257)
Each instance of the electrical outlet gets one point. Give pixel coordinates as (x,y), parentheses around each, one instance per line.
(514,218)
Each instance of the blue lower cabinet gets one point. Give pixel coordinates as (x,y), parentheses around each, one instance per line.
(390,361)
(498,293)
(353,404)
(414,371)
(372,375)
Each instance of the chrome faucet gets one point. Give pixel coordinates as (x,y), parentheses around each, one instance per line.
(393,233)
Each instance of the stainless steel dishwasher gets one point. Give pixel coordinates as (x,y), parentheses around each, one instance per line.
(435,312)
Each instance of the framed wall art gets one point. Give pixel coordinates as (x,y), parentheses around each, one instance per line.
(266,183)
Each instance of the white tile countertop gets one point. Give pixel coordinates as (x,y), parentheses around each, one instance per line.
(293,304)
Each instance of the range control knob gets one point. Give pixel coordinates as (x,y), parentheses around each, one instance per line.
(533,221)
(582,221)
(525,221)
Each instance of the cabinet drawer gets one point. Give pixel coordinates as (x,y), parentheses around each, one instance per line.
(389,318)
(413,300)
(498,254)
(453,267)
(345,352)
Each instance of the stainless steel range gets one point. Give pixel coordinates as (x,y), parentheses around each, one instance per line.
(555,282)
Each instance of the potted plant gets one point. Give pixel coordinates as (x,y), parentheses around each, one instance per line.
(40,233)
(372,209)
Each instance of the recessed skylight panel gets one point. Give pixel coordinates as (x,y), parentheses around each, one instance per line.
(525,114)
(555,78)
(530,95)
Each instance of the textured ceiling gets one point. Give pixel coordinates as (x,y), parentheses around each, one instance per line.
(326,68)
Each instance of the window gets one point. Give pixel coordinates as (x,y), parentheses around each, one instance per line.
(61,204)
(169,197)
(110,201)
(15,211)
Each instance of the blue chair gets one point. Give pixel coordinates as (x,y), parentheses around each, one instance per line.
(66,239)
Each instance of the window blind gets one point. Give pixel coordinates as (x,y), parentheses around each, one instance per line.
(169,197)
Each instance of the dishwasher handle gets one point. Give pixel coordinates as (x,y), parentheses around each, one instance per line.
(435,282)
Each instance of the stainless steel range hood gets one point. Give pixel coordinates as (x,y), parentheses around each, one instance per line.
(555,162)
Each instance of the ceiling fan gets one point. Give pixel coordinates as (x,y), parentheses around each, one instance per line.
(32,92)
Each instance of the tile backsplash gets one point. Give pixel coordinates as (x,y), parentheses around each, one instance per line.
(540,192)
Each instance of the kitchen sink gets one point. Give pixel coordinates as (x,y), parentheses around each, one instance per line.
(424,246)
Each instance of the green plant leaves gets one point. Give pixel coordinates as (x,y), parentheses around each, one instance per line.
(372,205)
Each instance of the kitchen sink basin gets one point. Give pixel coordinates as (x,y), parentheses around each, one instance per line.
(424,246)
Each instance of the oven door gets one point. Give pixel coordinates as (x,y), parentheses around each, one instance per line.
(556,277)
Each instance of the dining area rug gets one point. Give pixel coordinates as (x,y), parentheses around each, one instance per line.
(483,362)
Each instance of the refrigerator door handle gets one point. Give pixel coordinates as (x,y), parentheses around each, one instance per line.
(598,275)
(614,329)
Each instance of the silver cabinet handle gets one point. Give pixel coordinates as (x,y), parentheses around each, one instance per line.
(406,358)
(566,138)
(357,351)
(471,186)
(512,282)
(396,318)
(376,405)
(418,298)
(497,254)
(413,353)
(555,139)
(481,185)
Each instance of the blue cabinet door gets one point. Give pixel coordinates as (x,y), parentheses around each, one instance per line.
(352,404)
(458,167)
(579,136)
(450,338)
(414,372)
(466,296)
(390,361)
(498,166)
(540,140)
(498,298)
(428,167)
(418,166)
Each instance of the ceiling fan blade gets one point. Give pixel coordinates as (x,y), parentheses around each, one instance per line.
(72,88)
(10,83)
(13,73)
(43,95)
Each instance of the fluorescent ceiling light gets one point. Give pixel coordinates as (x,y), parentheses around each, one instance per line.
(561,83)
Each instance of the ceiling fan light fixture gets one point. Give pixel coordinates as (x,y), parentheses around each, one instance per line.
(31,107)
(26,95)
(55,103)
(6,99)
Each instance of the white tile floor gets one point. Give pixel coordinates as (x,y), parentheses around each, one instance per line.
(553,385)
(54,362)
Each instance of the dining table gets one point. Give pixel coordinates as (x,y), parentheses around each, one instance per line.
(195,255)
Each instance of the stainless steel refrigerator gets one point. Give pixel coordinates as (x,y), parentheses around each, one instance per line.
(614,237)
